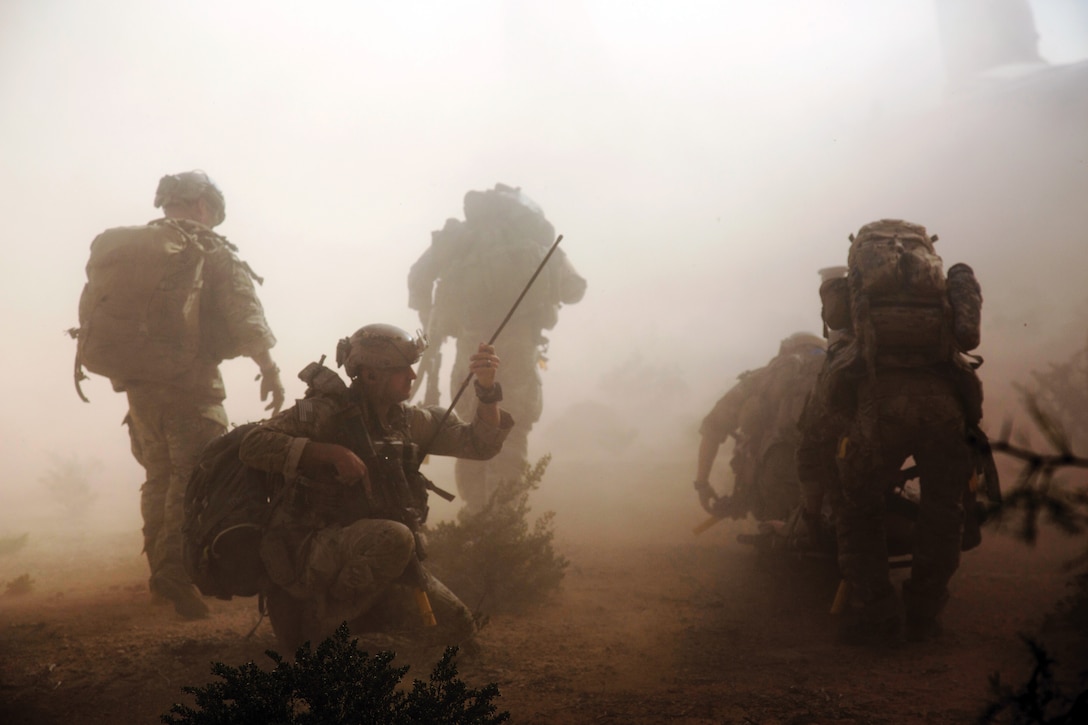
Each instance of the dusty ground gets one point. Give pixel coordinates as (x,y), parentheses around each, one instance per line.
(652,625)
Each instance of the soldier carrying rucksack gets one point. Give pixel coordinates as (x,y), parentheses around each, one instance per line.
(462,285)
(901,385)
(164,304)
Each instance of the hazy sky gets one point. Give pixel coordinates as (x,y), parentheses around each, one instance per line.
(702,159)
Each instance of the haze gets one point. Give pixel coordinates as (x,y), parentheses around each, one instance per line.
(701,159)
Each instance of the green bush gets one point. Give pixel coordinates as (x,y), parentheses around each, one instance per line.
(494,558)
(336,685)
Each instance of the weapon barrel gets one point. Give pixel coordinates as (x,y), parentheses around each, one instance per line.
(391,488)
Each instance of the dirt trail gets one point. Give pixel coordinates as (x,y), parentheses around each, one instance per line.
(652,625)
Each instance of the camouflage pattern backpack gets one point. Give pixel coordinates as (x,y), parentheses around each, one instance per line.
(139,313)
(489,258)
(227,509)
(898,295)
(896,308)
(902,308)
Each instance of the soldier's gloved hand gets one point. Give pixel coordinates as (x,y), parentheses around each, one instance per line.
(484,364)
(707,498)
(318,460)
(272,385)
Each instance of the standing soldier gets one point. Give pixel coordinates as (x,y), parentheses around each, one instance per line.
(165,303)
(761,413)
(462,286)
(906,391)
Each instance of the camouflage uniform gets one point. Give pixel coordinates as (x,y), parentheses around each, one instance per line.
(918,413)
(324,549)
(480,266)
(169,424)
(762,410)
(523,397)
(821,427)
(886,403)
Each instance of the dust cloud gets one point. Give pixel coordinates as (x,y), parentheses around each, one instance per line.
(702,160)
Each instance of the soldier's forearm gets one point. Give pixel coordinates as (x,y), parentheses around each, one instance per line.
(264,359)
(273,451)
(488,413)
(708,451)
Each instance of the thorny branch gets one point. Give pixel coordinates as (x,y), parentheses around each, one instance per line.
(1052,407)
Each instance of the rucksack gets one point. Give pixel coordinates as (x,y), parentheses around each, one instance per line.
(489,258)
(898,294)
(139,313)
(227,508)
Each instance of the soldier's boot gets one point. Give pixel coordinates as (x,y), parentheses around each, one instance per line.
(158,599)
(923,611)
(875,622)
(157,567)
(187,602)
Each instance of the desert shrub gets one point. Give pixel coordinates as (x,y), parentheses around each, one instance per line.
(338,684)
(1056,400)
(1039,701)
(494,558)
(20,585)
(1040,495)
(12,544)
(1061,391)
(68,484)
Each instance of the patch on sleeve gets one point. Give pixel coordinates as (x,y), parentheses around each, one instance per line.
(305,409)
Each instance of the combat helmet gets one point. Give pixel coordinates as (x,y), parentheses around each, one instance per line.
(187,187)
(801,342)
(379,346)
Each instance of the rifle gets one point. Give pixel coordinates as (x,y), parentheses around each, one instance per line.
(434,364)
(392,498)
(430,365)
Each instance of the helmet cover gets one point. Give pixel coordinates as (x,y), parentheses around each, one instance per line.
(801,342)
(379,346)
(186,188)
